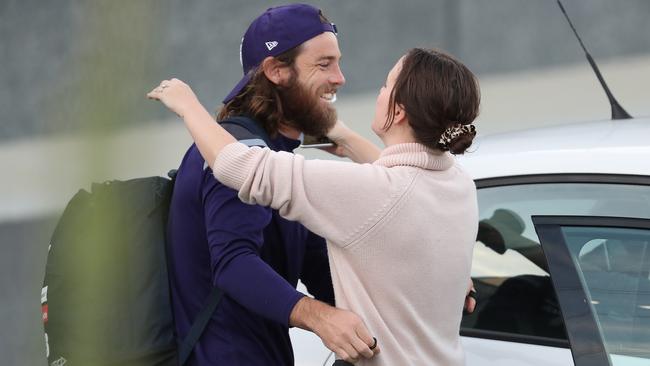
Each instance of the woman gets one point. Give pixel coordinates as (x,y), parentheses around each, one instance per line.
(400,231)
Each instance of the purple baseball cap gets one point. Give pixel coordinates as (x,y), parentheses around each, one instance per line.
(276,31)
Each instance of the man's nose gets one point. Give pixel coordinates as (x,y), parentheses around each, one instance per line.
(337,77)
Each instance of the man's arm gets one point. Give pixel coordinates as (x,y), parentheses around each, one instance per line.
(342,331)
(315,272)
(235,234)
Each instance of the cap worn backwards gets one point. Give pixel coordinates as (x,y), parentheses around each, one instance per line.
(276,31)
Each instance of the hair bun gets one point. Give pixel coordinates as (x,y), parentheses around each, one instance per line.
(457,138)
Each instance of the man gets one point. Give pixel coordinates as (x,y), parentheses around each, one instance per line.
(290,57)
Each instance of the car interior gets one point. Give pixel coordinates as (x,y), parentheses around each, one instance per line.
(524,304)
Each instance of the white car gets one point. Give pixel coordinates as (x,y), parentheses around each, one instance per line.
(562,261)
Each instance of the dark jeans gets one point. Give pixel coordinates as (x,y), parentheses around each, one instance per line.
(342,363)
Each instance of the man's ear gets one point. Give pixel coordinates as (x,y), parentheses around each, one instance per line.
(275,70)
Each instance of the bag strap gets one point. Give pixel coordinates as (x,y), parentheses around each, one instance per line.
(202,320)
(199,325)
(204,316)
(253,128)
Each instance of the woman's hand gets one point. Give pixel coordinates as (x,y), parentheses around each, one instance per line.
(209,137)
(338,135)
(351,145)
(470,298)
(175,95)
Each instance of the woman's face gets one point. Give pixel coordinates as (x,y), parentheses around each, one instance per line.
(383,100)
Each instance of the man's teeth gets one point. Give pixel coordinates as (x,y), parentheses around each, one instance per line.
(330,97)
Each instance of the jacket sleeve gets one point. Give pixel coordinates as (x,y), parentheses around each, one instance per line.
(340,201)
(235,235)
(316,270)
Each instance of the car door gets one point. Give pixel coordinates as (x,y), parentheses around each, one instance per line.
(518,319)
(600,269)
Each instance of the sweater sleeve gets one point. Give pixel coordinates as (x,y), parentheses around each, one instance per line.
(339,201)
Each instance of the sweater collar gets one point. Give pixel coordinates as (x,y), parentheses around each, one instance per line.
(415,154)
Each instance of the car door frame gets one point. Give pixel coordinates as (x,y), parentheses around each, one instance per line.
(585,338)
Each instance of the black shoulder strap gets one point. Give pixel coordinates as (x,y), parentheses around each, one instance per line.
(249,132)
(246,130)
(199,325)
(203,318)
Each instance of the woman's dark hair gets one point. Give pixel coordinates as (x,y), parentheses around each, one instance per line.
(437,92)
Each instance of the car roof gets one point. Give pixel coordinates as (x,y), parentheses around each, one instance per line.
(607,147)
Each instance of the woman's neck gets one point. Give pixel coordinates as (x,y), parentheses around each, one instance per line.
(397,135)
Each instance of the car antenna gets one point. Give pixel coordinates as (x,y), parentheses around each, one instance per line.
(617,111)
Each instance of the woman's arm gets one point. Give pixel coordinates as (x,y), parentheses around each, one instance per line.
(336,200)
(209,136)
(351,145)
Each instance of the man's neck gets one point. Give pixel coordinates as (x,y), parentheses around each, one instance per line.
(289,132)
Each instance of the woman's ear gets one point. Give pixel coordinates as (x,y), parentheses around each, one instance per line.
(275,70)
(400,114)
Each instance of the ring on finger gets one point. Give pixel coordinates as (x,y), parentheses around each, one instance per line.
(472,293)
(374,344)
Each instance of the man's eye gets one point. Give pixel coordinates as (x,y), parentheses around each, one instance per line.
(324,66)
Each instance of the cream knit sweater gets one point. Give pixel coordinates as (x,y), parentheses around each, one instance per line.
(400,234)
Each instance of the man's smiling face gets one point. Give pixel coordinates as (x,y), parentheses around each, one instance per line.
(318,66)
(316,78)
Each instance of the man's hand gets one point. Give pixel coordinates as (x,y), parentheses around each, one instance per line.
(342,331)
(470,298)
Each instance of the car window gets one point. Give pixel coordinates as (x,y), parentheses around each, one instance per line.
(516,295)
(614,268)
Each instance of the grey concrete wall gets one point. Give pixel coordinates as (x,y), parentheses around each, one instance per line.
(74,64)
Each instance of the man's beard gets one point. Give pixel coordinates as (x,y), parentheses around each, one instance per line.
(305,111)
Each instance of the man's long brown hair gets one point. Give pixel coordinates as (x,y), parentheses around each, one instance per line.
(260,99)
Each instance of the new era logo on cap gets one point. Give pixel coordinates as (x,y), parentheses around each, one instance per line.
(271,45)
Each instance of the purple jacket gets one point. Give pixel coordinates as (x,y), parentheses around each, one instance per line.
(252,254)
